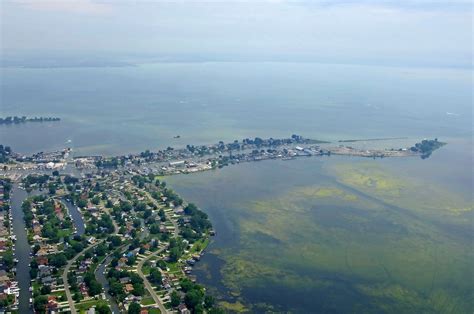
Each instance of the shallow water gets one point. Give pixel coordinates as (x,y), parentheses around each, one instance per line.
(298,236)
(335,234)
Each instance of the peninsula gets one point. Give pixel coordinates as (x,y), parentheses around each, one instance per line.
(207,157)
(106,233)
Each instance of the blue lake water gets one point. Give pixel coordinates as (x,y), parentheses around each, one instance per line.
(318,234)
(118,110)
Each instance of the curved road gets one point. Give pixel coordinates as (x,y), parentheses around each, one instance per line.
(142,262)
(148,284)
(99,271)
(100,276)
(66,271)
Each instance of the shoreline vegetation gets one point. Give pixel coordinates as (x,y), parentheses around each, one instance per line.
(23,119)
(140,242)
(146,236)
(193,158)
(427,147)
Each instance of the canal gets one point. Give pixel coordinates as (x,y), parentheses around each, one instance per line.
(22,249)
(76,217)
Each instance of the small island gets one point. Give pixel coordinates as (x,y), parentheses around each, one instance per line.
(24,119)
(426,147)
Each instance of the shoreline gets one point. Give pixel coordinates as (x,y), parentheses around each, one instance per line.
(203,158)
(140,175)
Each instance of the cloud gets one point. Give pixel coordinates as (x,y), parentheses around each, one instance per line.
(68,6)
(341,31)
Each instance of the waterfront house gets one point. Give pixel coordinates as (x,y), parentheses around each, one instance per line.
(37,228)
(4,277)
(44,271)
(182,309)
(48,281)
(3,245)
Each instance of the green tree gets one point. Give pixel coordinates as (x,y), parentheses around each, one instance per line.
(95,288)
(102,308)
(138,289)
(155,276)
(95,200)
(175,299)
(209,301)
(193,298)
(40,302)
(52,188)
(45,290)
(81,203)
(58,260)
(77,297)
(175,254)
(134,308)
(8,259)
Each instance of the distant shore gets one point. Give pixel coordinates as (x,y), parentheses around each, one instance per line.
(23,119)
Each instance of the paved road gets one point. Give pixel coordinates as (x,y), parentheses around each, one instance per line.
(148,284)
(175,224)
(140,264)
(66,271)
(100,276)
(99,271)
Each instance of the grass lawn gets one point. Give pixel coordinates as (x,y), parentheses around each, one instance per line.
(146,270)
(147,301)
(162,294)
(84,306)
(36,286)
(154,311)
(61,295)
(198,246)
(173,267)
(65,233)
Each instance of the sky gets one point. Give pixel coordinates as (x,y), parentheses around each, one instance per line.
(403,32)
